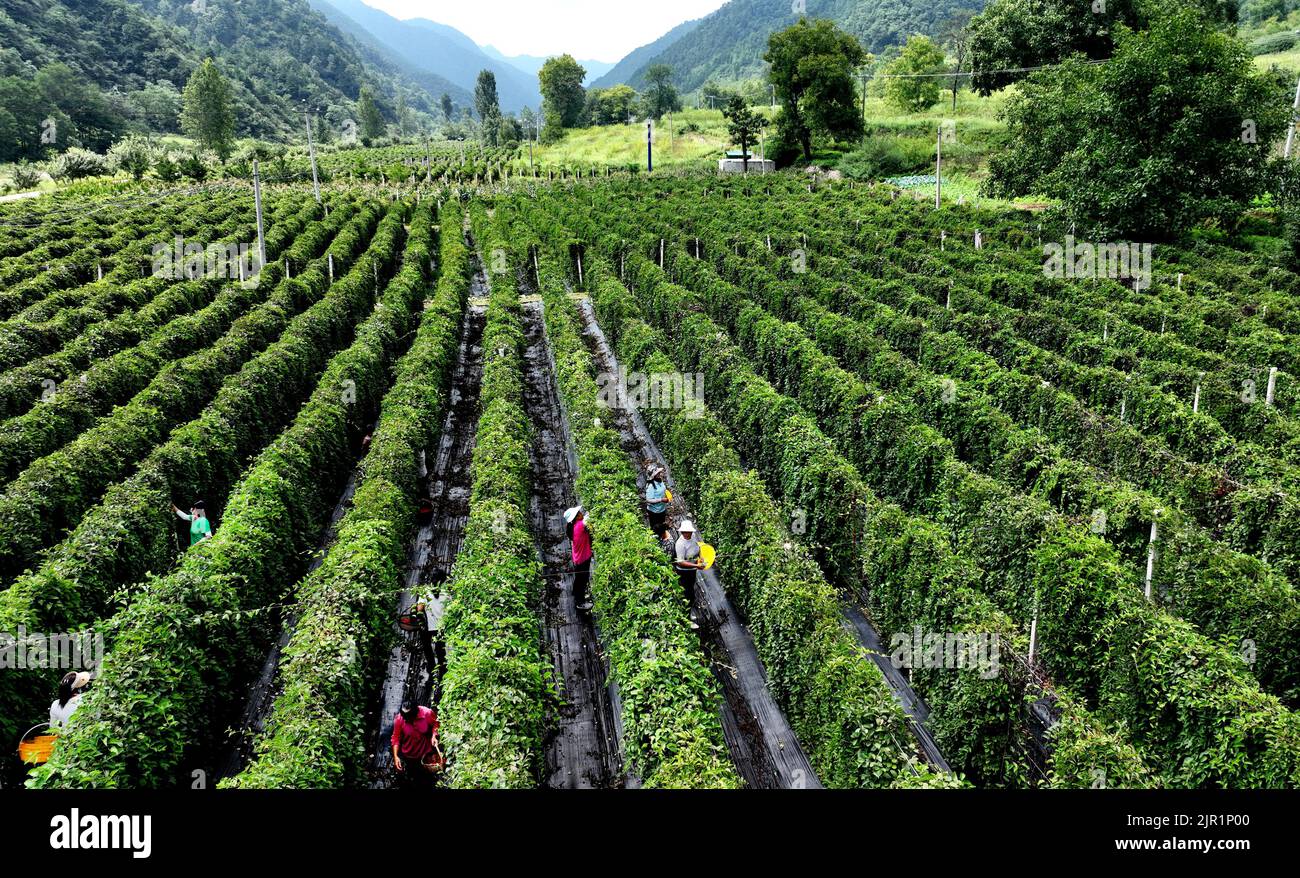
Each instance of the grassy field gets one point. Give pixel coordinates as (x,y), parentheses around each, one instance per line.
(694,137)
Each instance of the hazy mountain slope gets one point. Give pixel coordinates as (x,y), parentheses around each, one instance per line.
(624,70)
(532,64)
(441,50)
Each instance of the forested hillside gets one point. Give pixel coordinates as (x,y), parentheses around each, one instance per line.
(729,44)
(99,67)
(625,69)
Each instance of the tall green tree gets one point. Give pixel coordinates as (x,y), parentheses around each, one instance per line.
(446,104)
(1174,130)
(369,118)
(563,97)
(485,95)
(660,94)
(812,69)
(488,106)
(207,113)
(743,125)
(910,80)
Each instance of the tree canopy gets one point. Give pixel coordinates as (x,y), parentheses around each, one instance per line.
(660,94)
(208,115)
(563,97)
(812,68)
(1174,130)
(911,83)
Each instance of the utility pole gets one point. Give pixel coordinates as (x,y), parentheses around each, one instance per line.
(257,204)
(938,166)
(311,151)
(1290,131)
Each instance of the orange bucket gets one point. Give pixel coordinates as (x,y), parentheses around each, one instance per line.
(36,749)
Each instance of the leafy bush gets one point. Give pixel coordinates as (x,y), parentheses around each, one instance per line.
(77,164)
(26,176)
(133,155)
(886,157)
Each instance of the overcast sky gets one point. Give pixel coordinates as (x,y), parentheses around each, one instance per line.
(602,30)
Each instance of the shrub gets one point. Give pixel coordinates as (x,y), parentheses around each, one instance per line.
(76,164)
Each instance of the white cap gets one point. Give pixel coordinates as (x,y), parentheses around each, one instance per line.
(81,682)
(571,513)
(686,526)
(654,470)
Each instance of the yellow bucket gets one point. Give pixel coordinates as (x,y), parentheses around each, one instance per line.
(707,555)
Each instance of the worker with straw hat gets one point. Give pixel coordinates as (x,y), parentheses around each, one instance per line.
(575,522)
(687,562)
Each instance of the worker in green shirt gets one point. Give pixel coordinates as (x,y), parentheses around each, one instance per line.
(200,529)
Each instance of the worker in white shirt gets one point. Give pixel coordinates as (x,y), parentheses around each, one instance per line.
(71,688)
(686,560)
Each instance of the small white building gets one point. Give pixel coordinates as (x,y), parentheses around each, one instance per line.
(734,163)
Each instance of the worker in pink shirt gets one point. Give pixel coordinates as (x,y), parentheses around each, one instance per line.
(416,753)
(575,521)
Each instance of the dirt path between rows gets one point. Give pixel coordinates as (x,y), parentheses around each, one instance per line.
(583,747)
(763,746)
(434,548)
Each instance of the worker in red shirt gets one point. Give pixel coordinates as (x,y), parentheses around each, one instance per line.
(575,521)
(416,753)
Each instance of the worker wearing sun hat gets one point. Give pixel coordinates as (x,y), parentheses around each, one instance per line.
(71,688)
(656,498)
(686,560)
(575,521)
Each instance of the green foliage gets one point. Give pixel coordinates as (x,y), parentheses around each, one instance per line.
(77,164)
(880,157)
(369,119)
(610,106)
(496,685)
(672,735)
(727,46)
(661,95)
(315,737)
(132,531)
(743,125)
(197,632)
(563,96)
(1088,134)
(207,114)
(134,155)
(913,87)
(813,67)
